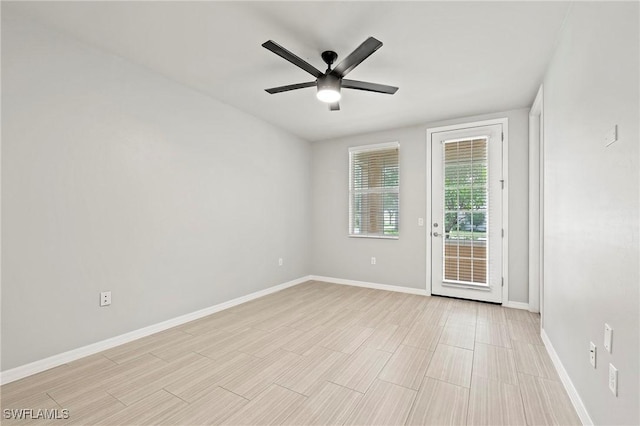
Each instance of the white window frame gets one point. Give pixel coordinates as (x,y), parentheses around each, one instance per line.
(365,148)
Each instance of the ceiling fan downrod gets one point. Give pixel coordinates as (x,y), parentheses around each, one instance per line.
(329,57)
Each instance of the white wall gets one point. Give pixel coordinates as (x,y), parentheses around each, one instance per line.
(403,262)
(592,204)
(115,178)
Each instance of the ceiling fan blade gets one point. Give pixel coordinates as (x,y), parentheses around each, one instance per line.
(290,87)
(369,87)
(334,106)
(354,59)
(295,60)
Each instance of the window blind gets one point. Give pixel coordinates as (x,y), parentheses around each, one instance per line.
(373,191)
(465,210)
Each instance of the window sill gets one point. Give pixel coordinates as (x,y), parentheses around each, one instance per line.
(378,237)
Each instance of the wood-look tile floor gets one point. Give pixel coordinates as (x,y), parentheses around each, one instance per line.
(316,353)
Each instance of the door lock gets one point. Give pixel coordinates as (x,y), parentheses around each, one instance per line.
(435,234)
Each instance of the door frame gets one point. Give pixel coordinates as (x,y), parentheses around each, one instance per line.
(536,204)
(505,196)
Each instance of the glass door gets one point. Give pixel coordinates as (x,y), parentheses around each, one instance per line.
(466,212)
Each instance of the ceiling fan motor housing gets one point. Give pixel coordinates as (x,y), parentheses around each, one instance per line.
(329,82)
(328,88)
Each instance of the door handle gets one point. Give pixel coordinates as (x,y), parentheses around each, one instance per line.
(435,234)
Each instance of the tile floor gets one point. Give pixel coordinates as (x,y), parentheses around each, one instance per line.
(316,353)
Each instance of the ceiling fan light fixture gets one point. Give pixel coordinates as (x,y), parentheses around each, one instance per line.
(329,89)
(328,95)
(330,83)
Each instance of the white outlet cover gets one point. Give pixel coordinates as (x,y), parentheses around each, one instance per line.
(613,379)
(608,336)
(420,221)
(592,354)
(105,298)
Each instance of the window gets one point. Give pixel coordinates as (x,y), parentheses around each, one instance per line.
(373,191)
(465,210)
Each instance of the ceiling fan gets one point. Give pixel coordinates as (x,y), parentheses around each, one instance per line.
(332,81)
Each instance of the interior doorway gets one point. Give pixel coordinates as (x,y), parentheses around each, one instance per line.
(536,206)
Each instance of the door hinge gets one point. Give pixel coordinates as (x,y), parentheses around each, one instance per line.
(502,183)
(502,281)
(502,136)
(502,233)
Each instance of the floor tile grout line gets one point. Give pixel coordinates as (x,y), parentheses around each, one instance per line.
(473,358)
(538,377)
(415,400)
(122,402)
(53,399)
(520,390)
(449,383)
(346,387)
(235,393)
(177,396)
(397,384)
(457,347)
(289,389)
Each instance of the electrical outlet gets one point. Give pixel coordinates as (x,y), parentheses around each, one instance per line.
(608,336)
(280,262)
(373,260)
(592,354)
(420,221)
(105,298)
(613,379)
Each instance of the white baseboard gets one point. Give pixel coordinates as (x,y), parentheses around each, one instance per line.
(516,305)
(409,290)
(566,381)
(365,284)
(22,371)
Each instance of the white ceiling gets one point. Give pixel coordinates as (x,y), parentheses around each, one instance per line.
(450,59)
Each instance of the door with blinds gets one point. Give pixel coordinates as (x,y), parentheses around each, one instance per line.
(466,213)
